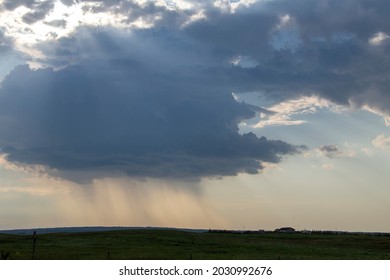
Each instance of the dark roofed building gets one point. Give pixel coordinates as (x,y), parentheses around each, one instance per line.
(285,230)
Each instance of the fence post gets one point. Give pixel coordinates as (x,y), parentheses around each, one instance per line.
(34,243)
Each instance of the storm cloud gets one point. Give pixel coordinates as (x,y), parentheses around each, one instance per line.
(338,49)
(130,112)
(155,99)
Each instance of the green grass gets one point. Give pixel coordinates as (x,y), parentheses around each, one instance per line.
(171,244)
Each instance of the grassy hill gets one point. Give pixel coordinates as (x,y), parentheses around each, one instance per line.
(173,244)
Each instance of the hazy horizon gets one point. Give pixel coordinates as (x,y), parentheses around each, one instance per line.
(91,228)
(251,114)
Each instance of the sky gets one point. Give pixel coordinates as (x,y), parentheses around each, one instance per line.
(195,114)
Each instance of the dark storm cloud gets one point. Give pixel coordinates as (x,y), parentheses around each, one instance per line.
(127,108)
(157,102)
(323,47)
(331,17)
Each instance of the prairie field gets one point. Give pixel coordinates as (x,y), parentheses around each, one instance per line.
(182,245)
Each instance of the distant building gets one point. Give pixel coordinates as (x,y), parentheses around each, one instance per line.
(285,230)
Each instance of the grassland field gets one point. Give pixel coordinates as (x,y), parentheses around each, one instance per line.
(182,245)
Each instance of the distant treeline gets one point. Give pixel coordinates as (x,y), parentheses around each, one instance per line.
(334,232)
(328,232)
